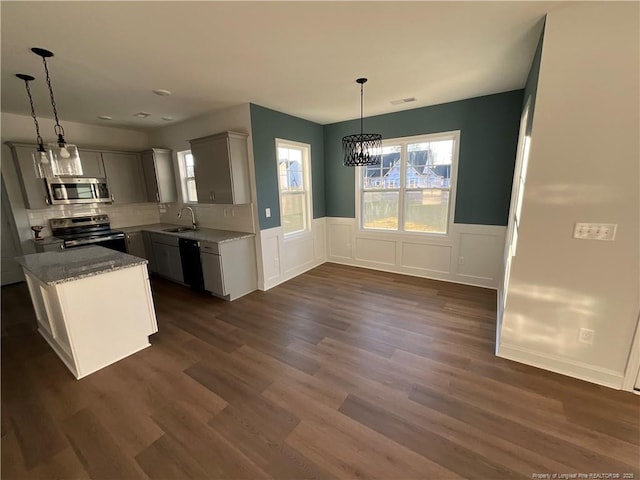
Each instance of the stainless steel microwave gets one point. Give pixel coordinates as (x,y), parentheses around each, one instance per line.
(69,190)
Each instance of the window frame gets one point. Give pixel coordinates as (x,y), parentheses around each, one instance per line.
(307,187)
(403,189)
(182,167)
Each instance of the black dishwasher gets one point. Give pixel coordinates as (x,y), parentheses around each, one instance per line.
(191,266)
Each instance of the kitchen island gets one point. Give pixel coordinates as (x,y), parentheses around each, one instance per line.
(93,305)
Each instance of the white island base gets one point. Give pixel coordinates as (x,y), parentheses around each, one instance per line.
(97,320)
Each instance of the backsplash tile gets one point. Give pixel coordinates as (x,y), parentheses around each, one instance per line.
(238,218)
(119,215)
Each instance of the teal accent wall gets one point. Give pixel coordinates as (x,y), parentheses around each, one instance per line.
(531,88)
(266,126)
(488,140)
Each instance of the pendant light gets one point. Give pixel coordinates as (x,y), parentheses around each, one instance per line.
(40,159)
(64,156)
(362,148)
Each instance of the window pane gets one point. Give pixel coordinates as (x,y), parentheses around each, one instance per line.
(293,208)
(380,210)
(429,164)
(188,160)
(426,211)
(190,171)
(387,174)
(192,195)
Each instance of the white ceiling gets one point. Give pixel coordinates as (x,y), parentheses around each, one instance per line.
(301,58)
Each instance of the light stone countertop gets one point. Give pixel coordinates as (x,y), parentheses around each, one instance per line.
(76,263)
(202,234)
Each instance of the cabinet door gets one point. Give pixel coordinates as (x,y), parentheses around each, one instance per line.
(135,244)
(91,163)
(159,178)
(212,170)
(212,273)
(148,248)
(149,170)
(33,188)
(124,175)
(165,176)
(168,262)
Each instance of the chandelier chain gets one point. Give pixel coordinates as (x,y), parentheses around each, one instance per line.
(33,114)
(58,128)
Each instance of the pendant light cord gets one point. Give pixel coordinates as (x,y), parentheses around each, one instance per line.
(35,119)
(57,128)
(361,104)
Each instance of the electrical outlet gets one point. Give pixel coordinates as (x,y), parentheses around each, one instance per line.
(460,260)
(276,262)
(267,212)
(595,231)
(585,335)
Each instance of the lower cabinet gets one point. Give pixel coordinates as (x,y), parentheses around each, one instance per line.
(229,268)
(212,269)
(135,244)
(166,253)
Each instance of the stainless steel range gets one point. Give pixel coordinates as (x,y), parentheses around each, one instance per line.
(88,230)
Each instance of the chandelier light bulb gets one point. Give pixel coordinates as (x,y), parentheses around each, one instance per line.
(64,153)
(44,158)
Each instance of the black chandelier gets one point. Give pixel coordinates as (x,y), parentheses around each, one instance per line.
(64,156)
(362,148)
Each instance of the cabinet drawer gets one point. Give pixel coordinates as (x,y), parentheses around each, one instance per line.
(209,247)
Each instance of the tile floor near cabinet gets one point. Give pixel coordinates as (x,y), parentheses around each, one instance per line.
(338,373)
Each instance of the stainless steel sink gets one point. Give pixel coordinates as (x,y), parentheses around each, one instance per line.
(179,229)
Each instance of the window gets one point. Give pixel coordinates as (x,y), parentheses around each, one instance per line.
(294,184)
(412,189)
(188,178)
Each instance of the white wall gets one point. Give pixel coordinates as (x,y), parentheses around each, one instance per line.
(583,167)
(470,254)
(20,128)
(177,136)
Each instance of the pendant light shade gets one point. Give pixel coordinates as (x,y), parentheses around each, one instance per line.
(65,159)
(362,148)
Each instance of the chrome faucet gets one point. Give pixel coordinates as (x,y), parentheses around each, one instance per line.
(194,226)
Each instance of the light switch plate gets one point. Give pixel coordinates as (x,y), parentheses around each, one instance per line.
(595,231)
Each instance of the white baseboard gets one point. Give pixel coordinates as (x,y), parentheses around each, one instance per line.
(563,366)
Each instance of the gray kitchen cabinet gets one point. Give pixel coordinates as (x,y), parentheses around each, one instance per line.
(91,163)
(229,268)
(135,244)
(166,254)
(148,248)
(212,269)
(124,176)
(33,188)
(159,178)
(222,168)
(49,245)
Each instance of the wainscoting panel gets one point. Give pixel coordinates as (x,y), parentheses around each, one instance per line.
(470,254)
(432,258)
(284,259)
(376,251)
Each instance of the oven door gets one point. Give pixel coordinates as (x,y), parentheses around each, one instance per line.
(71,190)
(114,242)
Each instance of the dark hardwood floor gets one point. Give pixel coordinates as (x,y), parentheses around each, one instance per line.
(338,373)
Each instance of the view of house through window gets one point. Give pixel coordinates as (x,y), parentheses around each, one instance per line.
(189,194)
(294,184)
(411,189)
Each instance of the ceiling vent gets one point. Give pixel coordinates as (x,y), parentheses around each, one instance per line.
(403,100)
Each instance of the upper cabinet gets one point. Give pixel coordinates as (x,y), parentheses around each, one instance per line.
(158,176)
(91,163)
(222,168)
(124,176)
(33,188)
